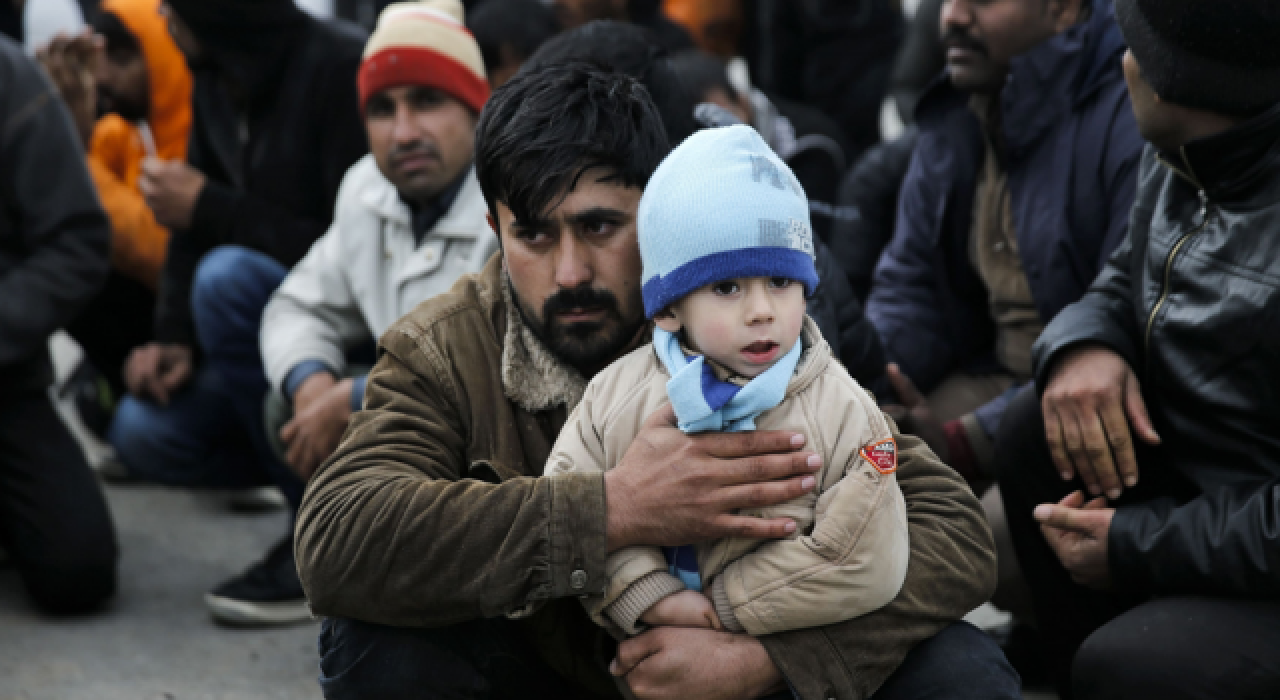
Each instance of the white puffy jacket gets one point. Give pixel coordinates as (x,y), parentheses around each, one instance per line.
(367,271)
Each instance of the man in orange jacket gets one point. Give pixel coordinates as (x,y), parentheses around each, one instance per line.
(130,71)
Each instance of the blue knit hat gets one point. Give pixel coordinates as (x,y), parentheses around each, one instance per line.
(722,206)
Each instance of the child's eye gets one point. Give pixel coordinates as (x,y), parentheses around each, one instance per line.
(779,282)
(725,288)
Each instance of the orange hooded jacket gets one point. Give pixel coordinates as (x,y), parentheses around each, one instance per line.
(116,150)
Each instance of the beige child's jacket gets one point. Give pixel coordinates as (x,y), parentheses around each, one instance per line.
(849,554)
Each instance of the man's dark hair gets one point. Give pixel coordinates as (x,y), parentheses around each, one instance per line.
(520,25)
(628,49)
(119,40)
(701,72)
(541,130)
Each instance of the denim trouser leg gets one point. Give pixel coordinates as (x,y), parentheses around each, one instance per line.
(196,441)
(231,289)
(211,434)
(958,663)
(475,660)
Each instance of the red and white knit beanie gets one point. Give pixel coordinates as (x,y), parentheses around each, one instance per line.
(424,43)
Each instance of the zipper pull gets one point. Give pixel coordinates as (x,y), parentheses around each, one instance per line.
(1204,207)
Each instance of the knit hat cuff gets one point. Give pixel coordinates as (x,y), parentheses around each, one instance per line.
(664,290)
(1192,80)
(411,65)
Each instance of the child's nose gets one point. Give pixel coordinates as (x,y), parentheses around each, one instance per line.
(759,307)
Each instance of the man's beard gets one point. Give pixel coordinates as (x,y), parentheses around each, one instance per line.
(586,345)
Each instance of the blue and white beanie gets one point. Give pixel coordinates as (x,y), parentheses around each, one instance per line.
(722,206)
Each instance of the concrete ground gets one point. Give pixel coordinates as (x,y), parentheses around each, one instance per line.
(156,640)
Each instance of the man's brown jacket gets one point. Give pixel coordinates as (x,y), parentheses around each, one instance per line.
(433,510)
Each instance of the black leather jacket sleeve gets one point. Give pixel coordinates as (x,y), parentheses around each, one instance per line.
(1221,543)
(1105,315)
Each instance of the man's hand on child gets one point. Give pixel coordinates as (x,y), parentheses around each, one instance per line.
(683,609)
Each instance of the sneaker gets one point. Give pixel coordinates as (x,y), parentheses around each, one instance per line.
(91,394)
(268,594)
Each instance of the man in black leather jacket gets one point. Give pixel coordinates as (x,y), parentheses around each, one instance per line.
(1161,389)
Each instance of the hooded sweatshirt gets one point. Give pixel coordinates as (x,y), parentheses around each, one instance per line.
(117,148)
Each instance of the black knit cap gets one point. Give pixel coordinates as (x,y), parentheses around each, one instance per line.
(1219,55)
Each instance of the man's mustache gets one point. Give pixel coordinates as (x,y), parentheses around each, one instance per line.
(416,148)
(579,298)
(955,38)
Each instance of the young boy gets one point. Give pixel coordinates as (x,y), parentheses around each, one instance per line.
(728,263)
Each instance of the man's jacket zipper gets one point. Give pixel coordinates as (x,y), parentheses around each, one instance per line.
(1190,176)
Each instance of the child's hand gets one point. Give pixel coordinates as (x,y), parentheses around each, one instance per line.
(683,609)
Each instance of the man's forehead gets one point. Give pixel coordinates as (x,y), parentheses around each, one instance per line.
(595,189)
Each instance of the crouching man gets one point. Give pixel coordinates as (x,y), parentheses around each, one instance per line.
(1159,390)
(449,567)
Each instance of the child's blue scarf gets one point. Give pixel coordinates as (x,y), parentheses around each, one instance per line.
(704,403)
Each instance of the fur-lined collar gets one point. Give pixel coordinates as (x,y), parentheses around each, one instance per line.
(532,376)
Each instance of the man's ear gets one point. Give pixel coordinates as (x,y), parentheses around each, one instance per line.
(492,224)
(667,321)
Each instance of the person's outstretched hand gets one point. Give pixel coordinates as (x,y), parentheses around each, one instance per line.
(1090,392)
(1077,532)
(156,370)
(671,489)
(683,609)
(914,416)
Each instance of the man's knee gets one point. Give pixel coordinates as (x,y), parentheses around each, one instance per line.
(72,590)
(958,662)
(364,660)
(231,286)
(1110,665)
(131,433)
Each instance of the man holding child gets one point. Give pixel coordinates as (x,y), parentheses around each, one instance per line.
(449,564)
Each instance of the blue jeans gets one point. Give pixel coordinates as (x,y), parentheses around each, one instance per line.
(211,434)
(486,659)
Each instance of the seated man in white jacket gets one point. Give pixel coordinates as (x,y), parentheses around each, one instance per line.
(410,220)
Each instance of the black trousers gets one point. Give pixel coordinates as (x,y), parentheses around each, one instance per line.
(488,660)
(1104,645)
(53,518)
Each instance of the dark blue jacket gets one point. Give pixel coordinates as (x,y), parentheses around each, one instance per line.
(1072,149)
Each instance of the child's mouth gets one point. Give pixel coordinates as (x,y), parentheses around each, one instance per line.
(760,351)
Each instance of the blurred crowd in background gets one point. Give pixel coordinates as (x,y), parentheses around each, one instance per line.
(225,209)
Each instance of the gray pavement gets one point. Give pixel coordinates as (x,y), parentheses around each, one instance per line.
(156,640)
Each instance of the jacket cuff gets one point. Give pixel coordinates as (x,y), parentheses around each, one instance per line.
(213,212)
(625,612)
(1128,544)
(724,609)
(357,392)
(300,373)
(1076,325)
(578,541)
